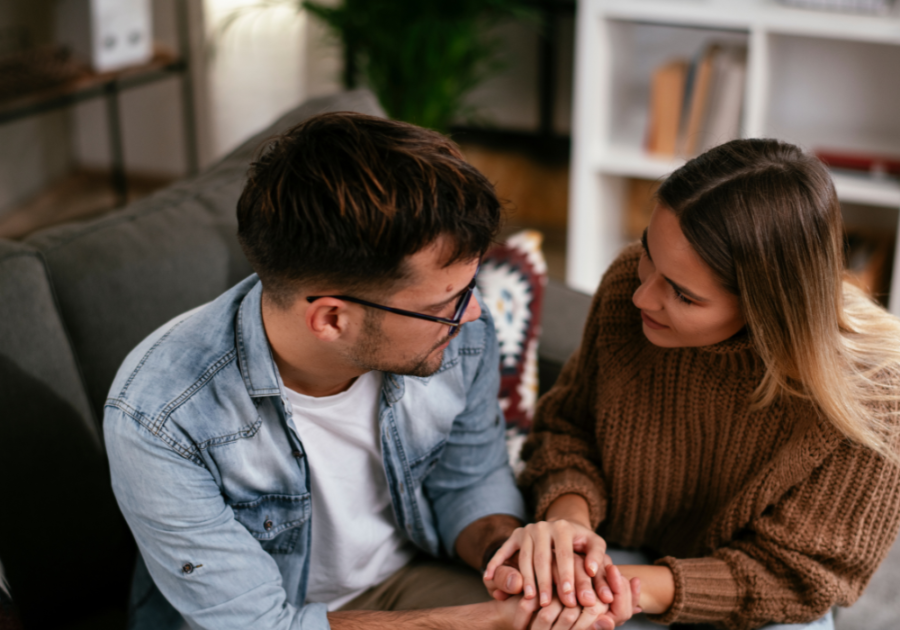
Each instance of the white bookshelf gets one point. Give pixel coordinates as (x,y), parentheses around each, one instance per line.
(817,79)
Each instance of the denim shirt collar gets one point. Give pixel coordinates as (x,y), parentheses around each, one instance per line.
(255,358)
(253,352)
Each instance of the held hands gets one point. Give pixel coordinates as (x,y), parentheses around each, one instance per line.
(573,557)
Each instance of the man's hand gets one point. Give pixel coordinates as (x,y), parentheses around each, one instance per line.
(518,613)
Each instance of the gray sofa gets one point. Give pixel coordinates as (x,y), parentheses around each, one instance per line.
(74,299)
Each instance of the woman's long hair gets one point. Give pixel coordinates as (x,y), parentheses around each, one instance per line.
(766,219)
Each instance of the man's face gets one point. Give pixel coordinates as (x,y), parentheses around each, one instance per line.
(404,345)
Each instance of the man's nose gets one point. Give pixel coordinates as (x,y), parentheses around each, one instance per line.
(473,311)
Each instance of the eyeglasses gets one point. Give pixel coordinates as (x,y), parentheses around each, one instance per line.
(455,322)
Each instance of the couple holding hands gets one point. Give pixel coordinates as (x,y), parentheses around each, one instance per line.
(721,450)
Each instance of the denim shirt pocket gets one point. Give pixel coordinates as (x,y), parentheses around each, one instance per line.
(420,468)
(275,520)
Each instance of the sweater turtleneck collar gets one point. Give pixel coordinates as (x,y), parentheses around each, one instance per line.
(738,343)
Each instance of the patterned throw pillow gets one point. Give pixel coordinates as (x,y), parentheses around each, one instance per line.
(511,281)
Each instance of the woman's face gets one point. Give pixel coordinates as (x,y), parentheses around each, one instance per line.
(681,302)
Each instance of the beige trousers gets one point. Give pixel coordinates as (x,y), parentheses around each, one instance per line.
(423,583)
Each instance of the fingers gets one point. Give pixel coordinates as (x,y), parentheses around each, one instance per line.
(601,585)
(562,548)
(546,615)
(622,607)
(593,547)
(567,618)
(507,579)
(584,586)
(543,559)
(506,551)
(526,568)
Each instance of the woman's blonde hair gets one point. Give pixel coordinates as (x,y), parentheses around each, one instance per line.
(766,219)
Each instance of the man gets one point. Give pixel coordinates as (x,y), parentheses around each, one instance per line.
(290,452)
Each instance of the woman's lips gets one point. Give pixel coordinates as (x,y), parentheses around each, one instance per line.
(651,323)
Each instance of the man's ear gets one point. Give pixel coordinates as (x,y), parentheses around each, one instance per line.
(328,319)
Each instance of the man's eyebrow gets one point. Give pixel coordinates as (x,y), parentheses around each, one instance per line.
(675,286)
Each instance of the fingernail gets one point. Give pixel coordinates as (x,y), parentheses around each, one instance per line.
(592,567)
(567,587)
(605,592)
(588,597)
(545,599)
(529,591)
(509,582)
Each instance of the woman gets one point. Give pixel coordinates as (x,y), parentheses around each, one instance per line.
(733,409)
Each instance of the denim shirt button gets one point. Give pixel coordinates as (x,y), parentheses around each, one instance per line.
(268,524)
(187,568)
(296,453)
(402,487)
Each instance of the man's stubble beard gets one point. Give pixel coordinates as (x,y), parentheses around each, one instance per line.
(371,347)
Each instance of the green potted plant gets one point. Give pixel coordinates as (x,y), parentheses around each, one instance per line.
(420,57)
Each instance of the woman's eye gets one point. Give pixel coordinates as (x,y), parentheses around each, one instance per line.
(681,296)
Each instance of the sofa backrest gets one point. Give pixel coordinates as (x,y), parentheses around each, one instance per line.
(121,276)
(62,539)
(74,300)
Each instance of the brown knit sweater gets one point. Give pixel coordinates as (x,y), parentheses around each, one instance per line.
(767,516)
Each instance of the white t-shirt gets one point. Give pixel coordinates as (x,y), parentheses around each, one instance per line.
(356,543)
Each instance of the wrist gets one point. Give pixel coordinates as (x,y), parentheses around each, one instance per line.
(657,586)
(570,507)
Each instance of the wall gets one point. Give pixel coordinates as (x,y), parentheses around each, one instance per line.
(33,152)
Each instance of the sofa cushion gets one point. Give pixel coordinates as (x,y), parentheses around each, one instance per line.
(564,314)
(61,532)
(121,276)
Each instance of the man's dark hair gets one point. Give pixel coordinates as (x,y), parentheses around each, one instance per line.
(342,199)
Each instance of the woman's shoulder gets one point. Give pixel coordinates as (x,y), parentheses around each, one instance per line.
(612,309)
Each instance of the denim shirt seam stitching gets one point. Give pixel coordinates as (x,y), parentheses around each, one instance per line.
(196,386)
(146,356)
(145,422)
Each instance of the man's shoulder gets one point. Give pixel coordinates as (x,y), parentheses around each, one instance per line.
(182,362)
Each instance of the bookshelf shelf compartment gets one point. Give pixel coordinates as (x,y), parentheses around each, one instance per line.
(818,79)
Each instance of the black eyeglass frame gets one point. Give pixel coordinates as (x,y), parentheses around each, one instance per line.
(454,323)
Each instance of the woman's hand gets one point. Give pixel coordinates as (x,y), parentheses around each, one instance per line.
(548,552)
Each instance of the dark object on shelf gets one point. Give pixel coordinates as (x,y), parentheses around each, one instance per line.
(872,7)
(872,163)
(26,72)
(869,260)
(57,85)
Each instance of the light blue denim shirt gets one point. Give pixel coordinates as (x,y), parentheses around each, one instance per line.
(212,478)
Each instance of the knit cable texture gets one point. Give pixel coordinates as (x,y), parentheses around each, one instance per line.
(765,516)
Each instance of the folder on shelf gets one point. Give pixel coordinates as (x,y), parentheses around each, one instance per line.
(666,96)
(726,97)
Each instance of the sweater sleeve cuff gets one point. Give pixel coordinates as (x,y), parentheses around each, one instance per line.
(705,591)
(552,486)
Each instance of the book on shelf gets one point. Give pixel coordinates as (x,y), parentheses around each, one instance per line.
(696,106)
(666,96)
(640,203)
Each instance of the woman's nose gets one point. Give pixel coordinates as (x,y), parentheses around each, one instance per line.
(647,297)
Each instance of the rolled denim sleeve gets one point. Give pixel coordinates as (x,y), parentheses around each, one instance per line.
(473,478)
(209,567)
